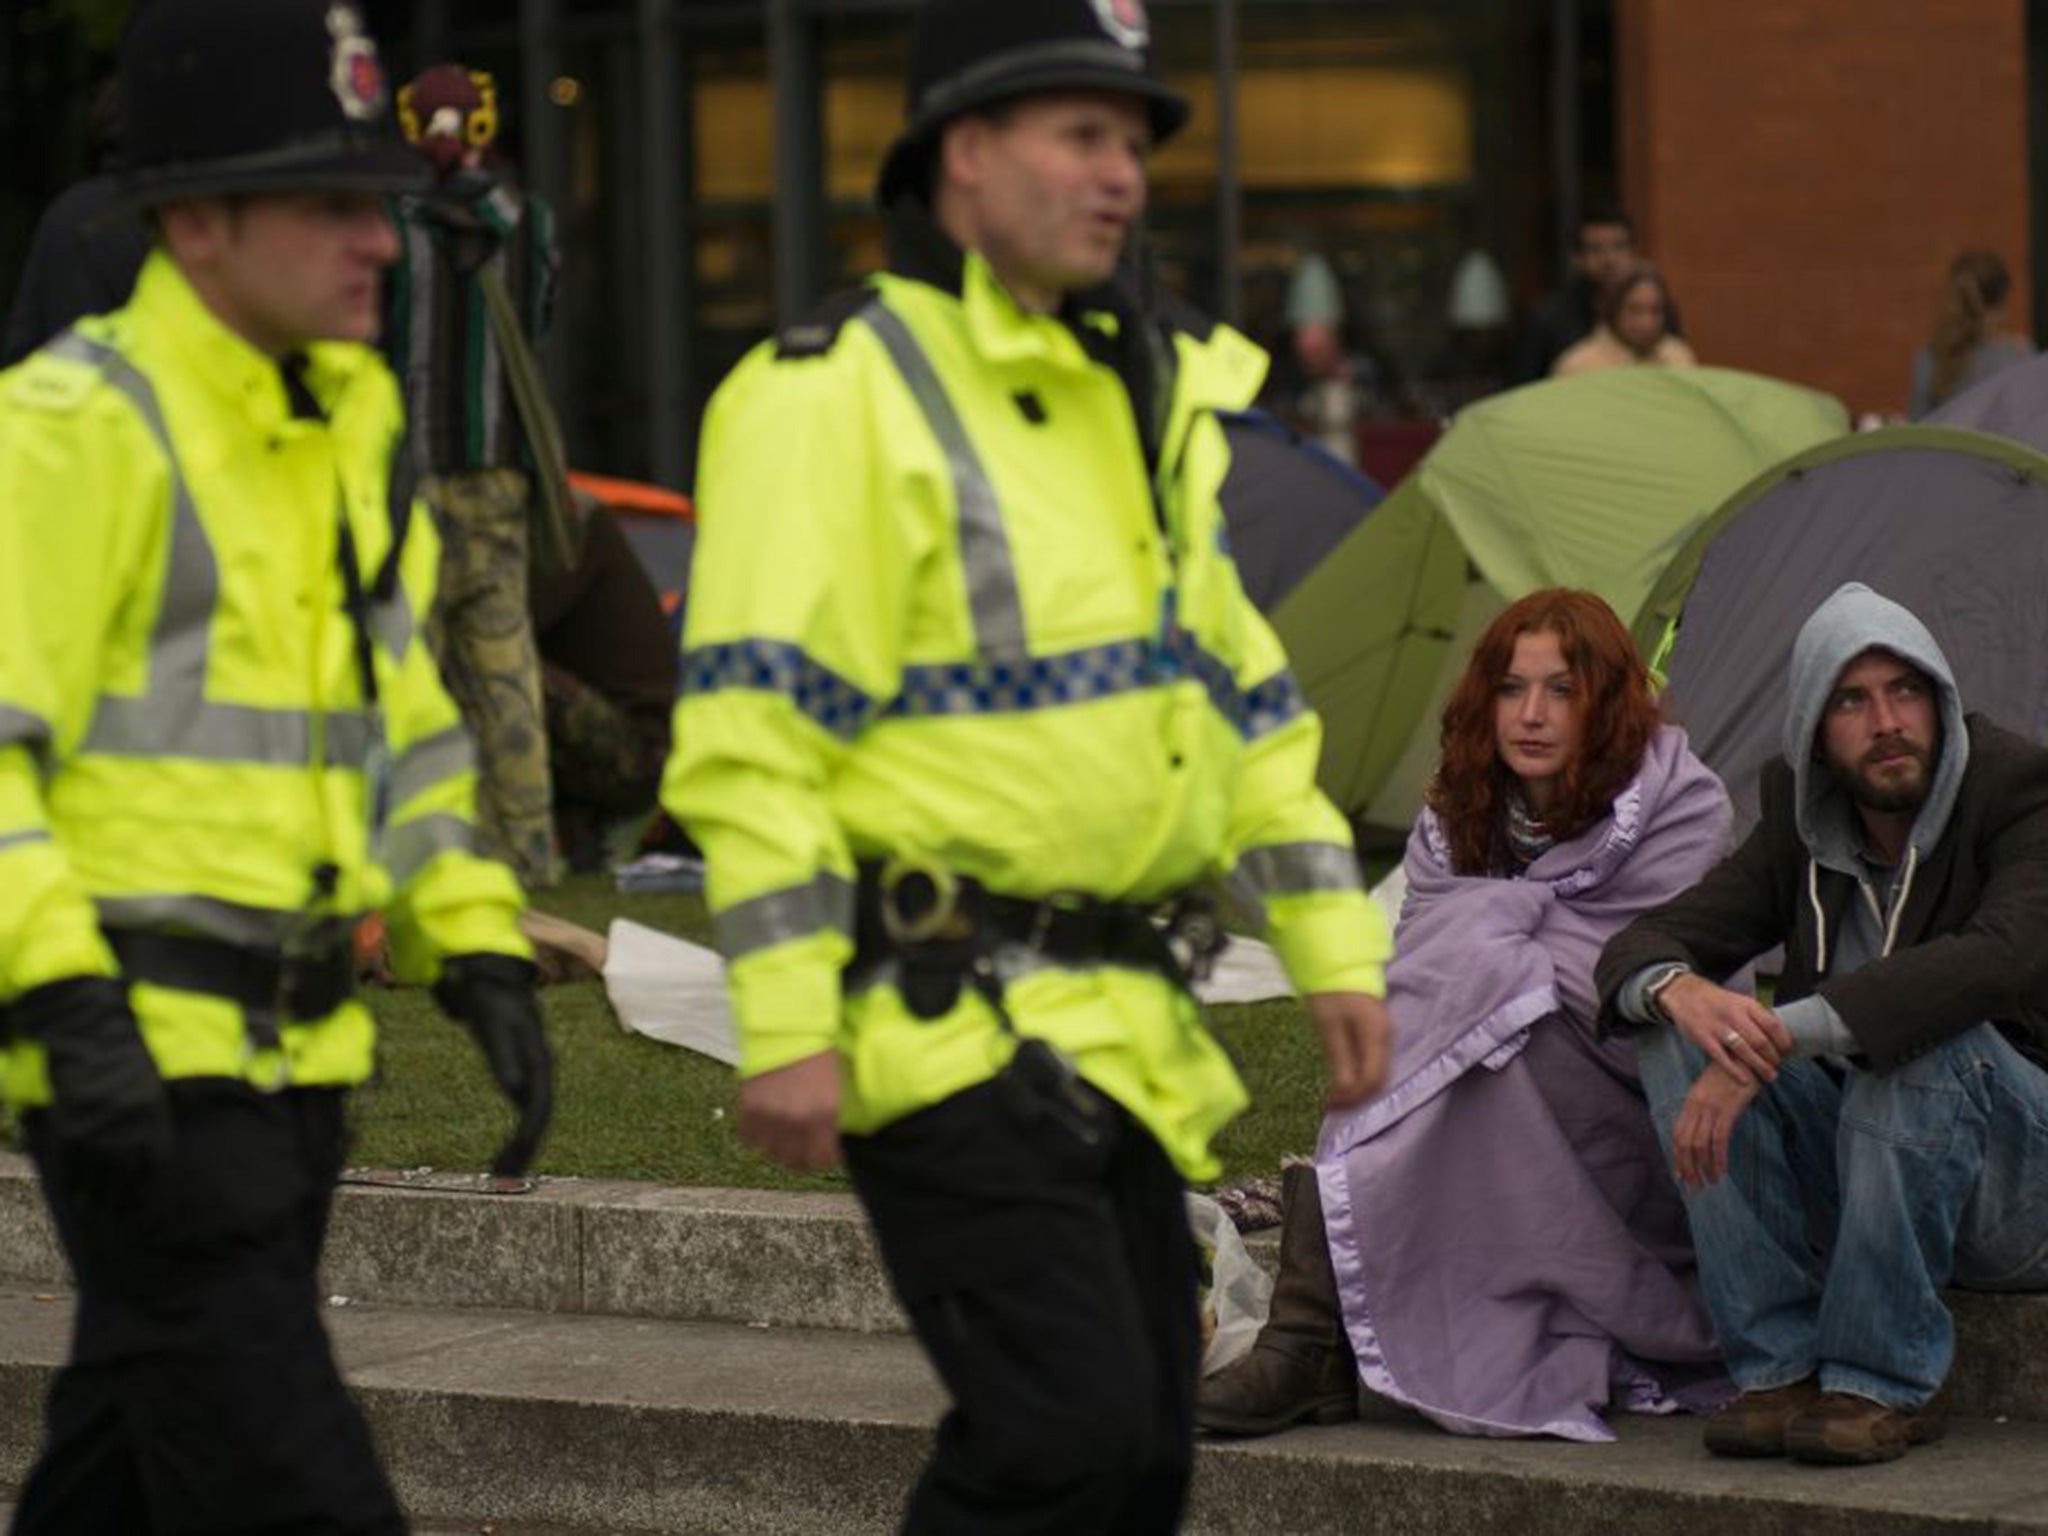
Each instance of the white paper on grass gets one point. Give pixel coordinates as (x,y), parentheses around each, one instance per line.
(670,990)
(1246,972)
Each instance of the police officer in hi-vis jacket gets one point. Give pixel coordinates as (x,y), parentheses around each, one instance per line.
(222,742)
(974,714)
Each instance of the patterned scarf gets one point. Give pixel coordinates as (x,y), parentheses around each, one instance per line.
(1528,839)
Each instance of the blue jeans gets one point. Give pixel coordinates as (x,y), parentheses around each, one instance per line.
(1853,1197)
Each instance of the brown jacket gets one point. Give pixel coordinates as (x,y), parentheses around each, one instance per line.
(1973,939)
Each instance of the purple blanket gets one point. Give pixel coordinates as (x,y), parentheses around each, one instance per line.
(1511,1251)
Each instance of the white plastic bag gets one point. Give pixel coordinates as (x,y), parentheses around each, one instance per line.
(1235,1295)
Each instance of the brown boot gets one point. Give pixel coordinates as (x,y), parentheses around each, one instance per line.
(1756,1422)
(1843,1430)
(1301,1366)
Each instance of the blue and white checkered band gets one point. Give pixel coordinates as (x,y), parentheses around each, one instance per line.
(1095,672)
(1269,705)
(772,666)
(991,687)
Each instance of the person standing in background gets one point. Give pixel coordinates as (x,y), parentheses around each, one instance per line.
(469,299)
(1972,340)
(1634,329)
(1606,244)
(1326,403)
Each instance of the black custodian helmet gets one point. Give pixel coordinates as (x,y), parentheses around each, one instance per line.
(968,54)
(227,96)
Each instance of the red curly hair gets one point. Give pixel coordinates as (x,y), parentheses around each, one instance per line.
(1469,793)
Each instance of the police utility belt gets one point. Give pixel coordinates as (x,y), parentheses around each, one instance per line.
(935,933)
(271,986)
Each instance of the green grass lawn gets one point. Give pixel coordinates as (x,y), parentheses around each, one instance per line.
(627,1107)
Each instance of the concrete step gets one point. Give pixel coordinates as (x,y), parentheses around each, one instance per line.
(527,1420)
(759,1257)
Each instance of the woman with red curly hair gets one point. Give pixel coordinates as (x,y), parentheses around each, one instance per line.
(1496,1240)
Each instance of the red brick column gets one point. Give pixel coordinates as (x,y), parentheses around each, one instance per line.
(1805,171)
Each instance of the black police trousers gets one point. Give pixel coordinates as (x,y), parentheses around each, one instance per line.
(1052,1283)
(202,1394)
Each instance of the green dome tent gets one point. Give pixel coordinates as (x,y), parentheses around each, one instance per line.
(1951,523)
(1594,481)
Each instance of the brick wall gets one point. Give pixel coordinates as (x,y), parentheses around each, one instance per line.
(1805,169)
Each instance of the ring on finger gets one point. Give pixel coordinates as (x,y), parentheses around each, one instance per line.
(1732,1038)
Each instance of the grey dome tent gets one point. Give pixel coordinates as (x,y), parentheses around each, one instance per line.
(2011,403)
(1287,502)
(1952,524)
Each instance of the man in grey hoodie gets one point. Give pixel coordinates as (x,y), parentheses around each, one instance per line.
(1882,1130)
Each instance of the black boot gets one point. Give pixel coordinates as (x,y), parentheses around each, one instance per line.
(1301,1366)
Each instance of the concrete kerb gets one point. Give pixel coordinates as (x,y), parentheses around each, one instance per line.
(764,1258)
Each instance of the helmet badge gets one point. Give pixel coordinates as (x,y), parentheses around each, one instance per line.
(1124,20)
(354,74)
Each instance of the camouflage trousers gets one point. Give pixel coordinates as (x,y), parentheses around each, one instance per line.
(481,631)
(607,763)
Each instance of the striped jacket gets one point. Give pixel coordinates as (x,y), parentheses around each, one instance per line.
(184,740)
(944,607)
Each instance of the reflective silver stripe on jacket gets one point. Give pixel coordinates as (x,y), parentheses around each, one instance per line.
(821,905)
(17,839)
(164,725)
(984,545)
(411,845)
(1293,869)
(173,717)
(208,917)
(443,756)
(391,624)
(19,728)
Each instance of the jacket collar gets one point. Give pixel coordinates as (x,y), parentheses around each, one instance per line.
(1001,329)
(1215,366)
(166,305)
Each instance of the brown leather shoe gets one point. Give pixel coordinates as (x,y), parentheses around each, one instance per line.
(1756,1422)
(1842,1430)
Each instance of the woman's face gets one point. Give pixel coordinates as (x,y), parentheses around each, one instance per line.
(1640,323)
(1537,716)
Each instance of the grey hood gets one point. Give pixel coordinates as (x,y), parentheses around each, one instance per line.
(1853,620)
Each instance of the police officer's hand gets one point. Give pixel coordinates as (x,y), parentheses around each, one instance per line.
(791,1115)
(493,996)
(110,1118)
(1358,1044)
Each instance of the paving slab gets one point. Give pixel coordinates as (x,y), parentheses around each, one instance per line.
(560,1422)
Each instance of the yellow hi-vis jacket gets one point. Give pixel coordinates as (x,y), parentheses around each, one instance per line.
(183,731)
(934,614)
